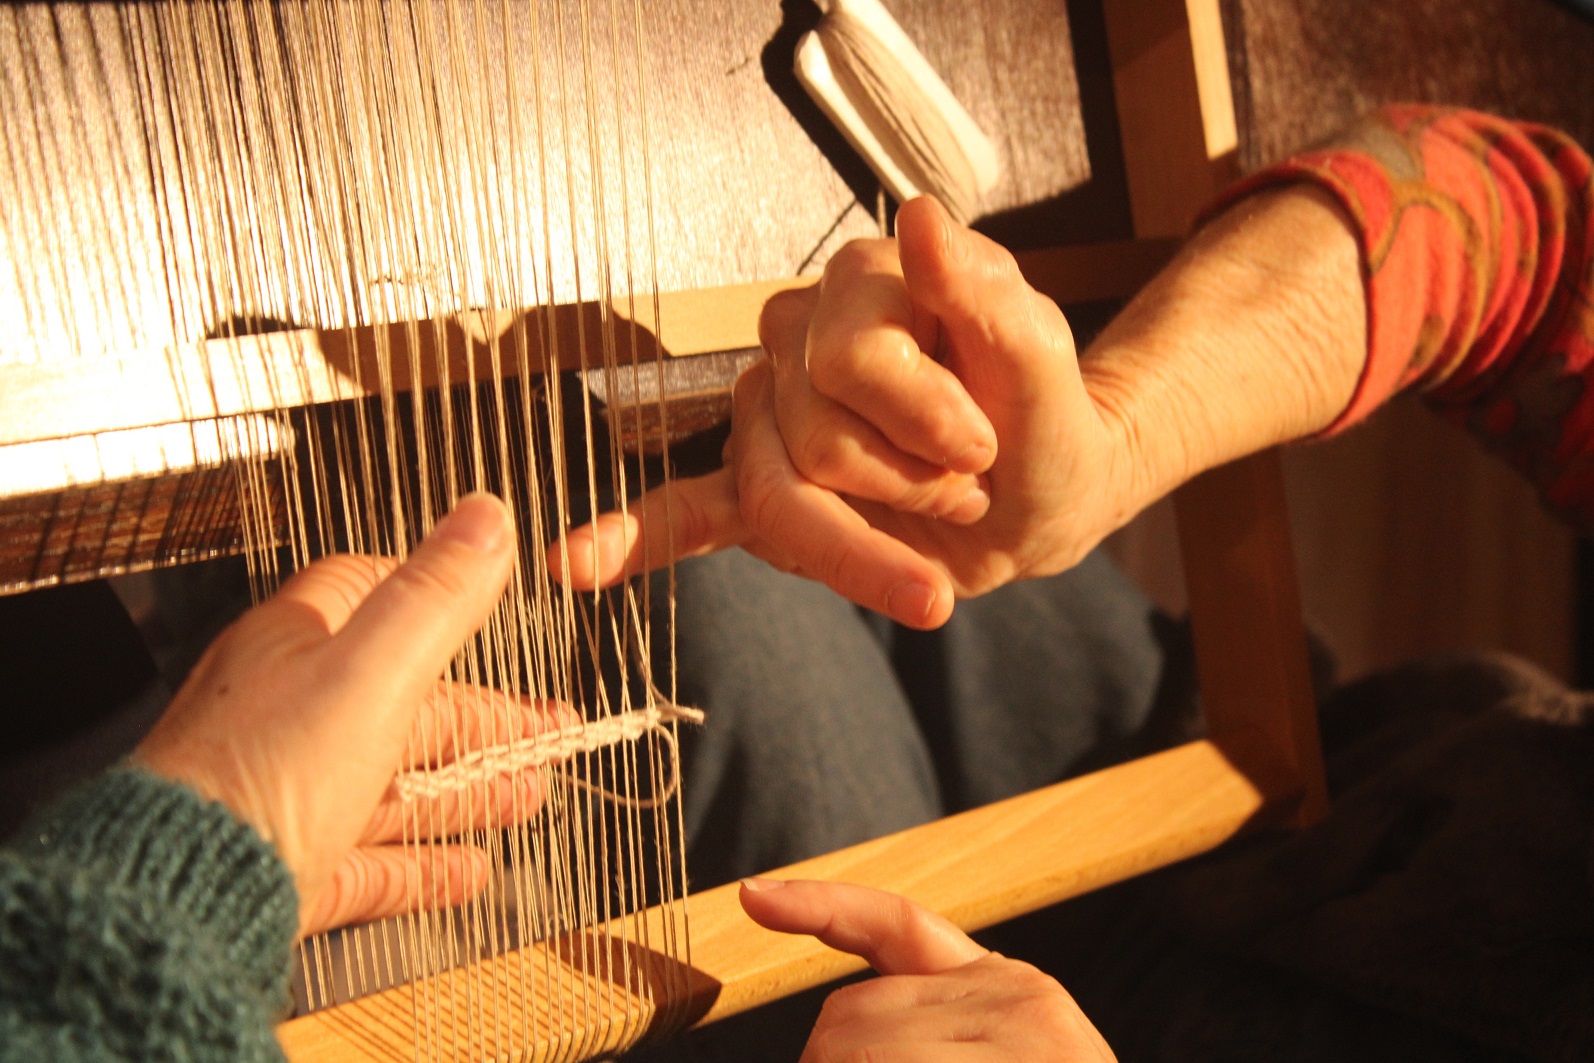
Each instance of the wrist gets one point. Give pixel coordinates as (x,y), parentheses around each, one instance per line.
(1255,335)
(195,865)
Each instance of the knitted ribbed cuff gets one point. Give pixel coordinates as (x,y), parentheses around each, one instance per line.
(191,859)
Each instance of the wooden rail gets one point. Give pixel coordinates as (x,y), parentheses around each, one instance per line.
(977,868)
(115,467)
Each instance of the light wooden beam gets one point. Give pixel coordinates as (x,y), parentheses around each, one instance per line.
(977,868)
(76,396)
(121,466)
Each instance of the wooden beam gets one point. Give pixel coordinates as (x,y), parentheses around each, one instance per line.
(1175,109)
(109,469)
(1245,608)
(977,868)
(75,396)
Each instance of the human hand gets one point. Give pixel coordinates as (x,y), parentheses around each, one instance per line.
(919,430)
(942,997)
(297,716)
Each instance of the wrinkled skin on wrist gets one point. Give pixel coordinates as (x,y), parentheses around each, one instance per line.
(922,429)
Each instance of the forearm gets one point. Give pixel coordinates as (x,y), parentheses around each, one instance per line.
(1256,334)
(1444,251)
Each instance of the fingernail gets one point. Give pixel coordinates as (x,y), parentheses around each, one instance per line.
(761,885)
(976,457)
(910,602)
(477,522)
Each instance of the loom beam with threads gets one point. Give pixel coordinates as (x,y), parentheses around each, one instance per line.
(184,416)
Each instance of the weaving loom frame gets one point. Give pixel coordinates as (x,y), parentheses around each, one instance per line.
(1261,764)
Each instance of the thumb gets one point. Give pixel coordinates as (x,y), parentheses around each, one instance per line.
(402,636)
(892,933)
(994,326)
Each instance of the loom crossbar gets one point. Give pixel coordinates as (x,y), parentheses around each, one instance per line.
(104,472)
(978,868)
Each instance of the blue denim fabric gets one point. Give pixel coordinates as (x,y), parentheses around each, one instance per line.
(828,725)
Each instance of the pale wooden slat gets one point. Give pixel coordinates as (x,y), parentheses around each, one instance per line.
(71,396)
(976,868)
(1175,113)
(73,453)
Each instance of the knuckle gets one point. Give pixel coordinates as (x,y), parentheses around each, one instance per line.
(429,581)
(383,888)
(836,563)
(1028,977)
(784,313)
(1047,320)
(839,365)
(841,1006)
(761,493)
(692,525)
(346,890)
(870,1052)
(913,498)
(997,265)
(907,915)
(934,499)
(747,387)
(859,257)
(1034,997)
(350,576)
(942,428)
(820,452)
(386,822)
(825,1045)
(1043,1012)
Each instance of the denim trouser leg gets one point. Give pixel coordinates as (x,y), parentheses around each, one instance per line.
(1034,682)
(829,725)
(810,743)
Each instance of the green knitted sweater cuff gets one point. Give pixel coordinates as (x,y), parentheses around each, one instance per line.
(137,889)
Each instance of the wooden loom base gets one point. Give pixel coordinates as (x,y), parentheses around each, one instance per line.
(977,868)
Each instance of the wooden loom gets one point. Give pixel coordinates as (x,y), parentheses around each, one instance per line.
(1259,766)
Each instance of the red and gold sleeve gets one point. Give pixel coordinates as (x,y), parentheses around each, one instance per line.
(1477,241)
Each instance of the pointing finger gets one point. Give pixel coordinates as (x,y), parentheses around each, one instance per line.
(684,519)
(892,933)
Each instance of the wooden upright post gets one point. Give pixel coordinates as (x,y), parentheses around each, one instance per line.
(1177,127)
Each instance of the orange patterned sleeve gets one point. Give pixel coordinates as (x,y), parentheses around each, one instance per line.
(1477,240)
